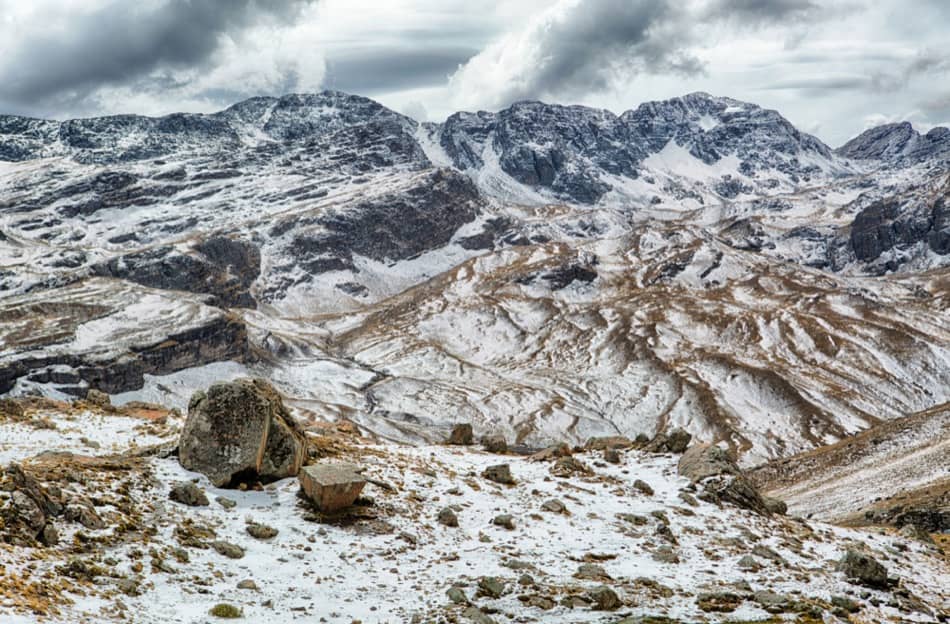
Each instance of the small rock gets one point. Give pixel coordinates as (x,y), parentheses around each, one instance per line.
(775,505)
(187,493)
(677,440)
(261,531)
(227,611)
(229,550)
(592,572)
(604,599)
(608,442)
(495,444)
(568,466)
(97,397)
(462,435)
(247,584)
(49,536)
(551,452)
(748,562)
(84,515)
(643,486)
(448,518)
(845,603)
(476,615)
(490,586)
(499,473)
(457,595)
(554,506)
(227,503)
(504,520)
(718,602)
(914,532)
(612,456)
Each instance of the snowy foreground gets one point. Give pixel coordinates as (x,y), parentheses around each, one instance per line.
(389,559)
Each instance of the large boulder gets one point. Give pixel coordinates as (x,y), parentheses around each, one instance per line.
(241,430)
(711,467)
(863,569)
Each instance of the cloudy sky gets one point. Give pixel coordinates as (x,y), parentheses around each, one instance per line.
(833,67)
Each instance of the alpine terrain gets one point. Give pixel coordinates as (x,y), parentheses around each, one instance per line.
(307,359)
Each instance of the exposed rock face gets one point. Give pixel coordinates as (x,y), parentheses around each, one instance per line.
(27,517)
(220,266)
(331,487)
(720,477)
(241,429)
(897,142)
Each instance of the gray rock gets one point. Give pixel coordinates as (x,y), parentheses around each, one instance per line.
(241,429)
(554,506)
(260,531)
(499,473)
(495,444)
(592,572)
(187,493)
(720,477)
(462,435)
(457,595)
(677,440)
(474,614)
(331,486)
(604,599)
(643,486)
(229,550)
(504,520)
(775,505)
(491,586)
(248,584)
(447,517)
(99,398)
(863,569)
(85,515)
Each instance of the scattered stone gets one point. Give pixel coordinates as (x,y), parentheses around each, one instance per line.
(448,518)
(85,515)
(771,602)
(499,473)
(748,562)
(227,611)
(643,486)
(261,531)
(636,519)
(490,586)
(476,615)
(665,554)
(863,569)
(495,444)
(49,536)
(612,456)
(187,493)
(229,550)
(99,398)
(551,452)
(845,604)
(554,506)
(763,551)
(677,440)
(775,505)
(688,498)
(241,429)
(504,520)
(462,435)
(457,595)
(227,503)
(248,584)
(540,602)
(608,442)
(718,602)
(331,486)
(568,466)
(592,572)
(604,599)
(914,532)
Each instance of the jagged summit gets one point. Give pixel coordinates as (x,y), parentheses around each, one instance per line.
(896,142)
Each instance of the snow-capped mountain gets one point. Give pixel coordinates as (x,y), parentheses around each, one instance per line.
(550,271)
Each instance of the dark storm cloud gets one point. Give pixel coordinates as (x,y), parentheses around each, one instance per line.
(374,70)
(764,11)
(123,41)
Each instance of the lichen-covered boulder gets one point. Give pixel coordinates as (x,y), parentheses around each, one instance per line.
(241,429)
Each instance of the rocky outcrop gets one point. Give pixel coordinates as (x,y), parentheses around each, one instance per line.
(863,569)
(898,143)
(220,266)
(711,468)
(241,431)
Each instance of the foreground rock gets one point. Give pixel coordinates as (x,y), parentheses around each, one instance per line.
(331,487)
(711,467)
(241,430)
(863,569)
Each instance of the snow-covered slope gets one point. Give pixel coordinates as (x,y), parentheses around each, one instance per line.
(554,271)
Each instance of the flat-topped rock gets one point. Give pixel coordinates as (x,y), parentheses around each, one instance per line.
(331,487)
